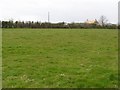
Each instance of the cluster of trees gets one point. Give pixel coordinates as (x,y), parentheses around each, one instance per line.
(30,24)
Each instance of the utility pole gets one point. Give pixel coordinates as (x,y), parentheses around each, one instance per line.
(48,17)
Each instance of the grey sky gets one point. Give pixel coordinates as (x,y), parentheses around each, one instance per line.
(60,10)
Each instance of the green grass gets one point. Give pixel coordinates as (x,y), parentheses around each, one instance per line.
(73,58)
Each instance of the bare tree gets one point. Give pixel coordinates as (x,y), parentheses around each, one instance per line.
(103,21)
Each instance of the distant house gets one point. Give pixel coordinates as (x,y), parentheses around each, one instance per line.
(92,22)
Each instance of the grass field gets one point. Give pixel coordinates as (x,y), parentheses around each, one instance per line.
(46,58)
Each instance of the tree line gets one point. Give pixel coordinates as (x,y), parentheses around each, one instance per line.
(31,24)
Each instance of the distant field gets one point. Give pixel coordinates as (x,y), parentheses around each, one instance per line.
(66,58)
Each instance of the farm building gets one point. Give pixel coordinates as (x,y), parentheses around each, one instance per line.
(91,21)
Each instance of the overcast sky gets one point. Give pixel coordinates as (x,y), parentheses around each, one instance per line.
(60,10)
